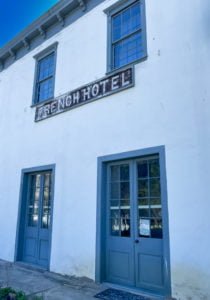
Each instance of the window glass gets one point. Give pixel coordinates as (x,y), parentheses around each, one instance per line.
(119,200)
(45,78)
(34,199)
(149,198)
(46,66)
(45,89)
(127,40)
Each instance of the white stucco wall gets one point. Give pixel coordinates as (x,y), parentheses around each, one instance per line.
(169,105)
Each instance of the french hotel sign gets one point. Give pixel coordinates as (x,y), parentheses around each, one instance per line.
(96,90)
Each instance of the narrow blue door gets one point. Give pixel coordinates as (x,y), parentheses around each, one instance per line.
(120,247)
(148,223)
(134,236)
(37,219)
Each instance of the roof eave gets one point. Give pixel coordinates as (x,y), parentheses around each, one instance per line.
(56,14)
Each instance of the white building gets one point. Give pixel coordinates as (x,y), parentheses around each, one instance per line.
(116,189)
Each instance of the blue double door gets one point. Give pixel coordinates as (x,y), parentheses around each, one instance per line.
(135,223)
(37,218)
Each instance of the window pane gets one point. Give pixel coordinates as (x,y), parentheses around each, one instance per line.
(45,90)
(124,172)
(115,213)
(125,222)
(33,220)
(155,187)
(115,173)
(126,22)
(115,227)
(115,191)
(154,169)
(46,67)
(34,196)
(144,212)
(143,190)
(47,180)
(142,169)
(155,201)
(45,78)
(114,203)
(156,212)
(45,221)
(119,200)
(128,50)
(143,201)
(124,190)
(156,228)
(131,20)
(116,28)
(46,208)
(149,198)
(125,202)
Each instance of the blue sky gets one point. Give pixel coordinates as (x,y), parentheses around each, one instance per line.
(15,15)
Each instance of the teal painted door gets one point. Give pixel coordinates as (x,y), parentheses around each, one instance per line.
(37,219)
(134,235)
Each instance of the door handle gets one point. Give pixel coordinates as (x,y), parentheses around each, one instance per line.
(136,241)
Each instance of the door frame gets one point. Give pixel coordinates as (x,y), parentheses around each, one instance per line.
(100,259)
(22,209)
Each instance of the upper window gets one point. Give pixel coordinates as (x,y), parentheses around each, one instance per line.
(128,42)
(45,75)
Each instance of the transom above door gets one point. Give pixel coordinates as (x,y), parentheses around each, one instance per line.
(135,241)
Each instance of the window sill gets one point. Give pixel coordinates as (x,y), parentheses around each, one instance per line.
(42,102)
(112,71)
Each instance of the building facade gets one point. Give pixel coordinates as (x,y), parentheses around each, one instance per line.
(105,136)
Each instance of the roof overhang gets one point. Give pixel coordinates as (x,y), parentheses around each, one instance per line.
(56,14)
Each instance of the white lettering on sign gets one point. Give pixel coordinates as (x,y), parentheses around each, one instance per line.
(86,93)
(101,88)
(95,90)
(115,82)
(104,83)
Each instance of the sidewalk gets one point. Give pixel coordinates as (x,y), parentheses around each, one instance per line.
(46,284)
(40,284)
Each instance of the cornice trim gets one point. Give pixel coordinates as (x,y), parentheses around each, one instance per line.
(55,15)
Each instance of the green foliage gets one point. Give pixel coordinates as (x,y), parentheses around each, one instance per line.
(6,292)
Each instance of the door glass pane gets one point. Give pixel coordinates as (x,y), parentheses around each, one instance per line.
(124,172)
(156,228)
(142,169)
(149,198)
(155,187)
(125,222)
(34,198)
(154,169)
(115,173)
(144,212)
(143,201)
(155,212)
(46,204)
(115,190)
(155,201)
(124,190)
(143,188)
(119,200)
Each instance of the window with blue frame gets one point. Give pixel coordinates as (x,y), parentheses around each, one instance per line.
(128,42)
(45,76)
